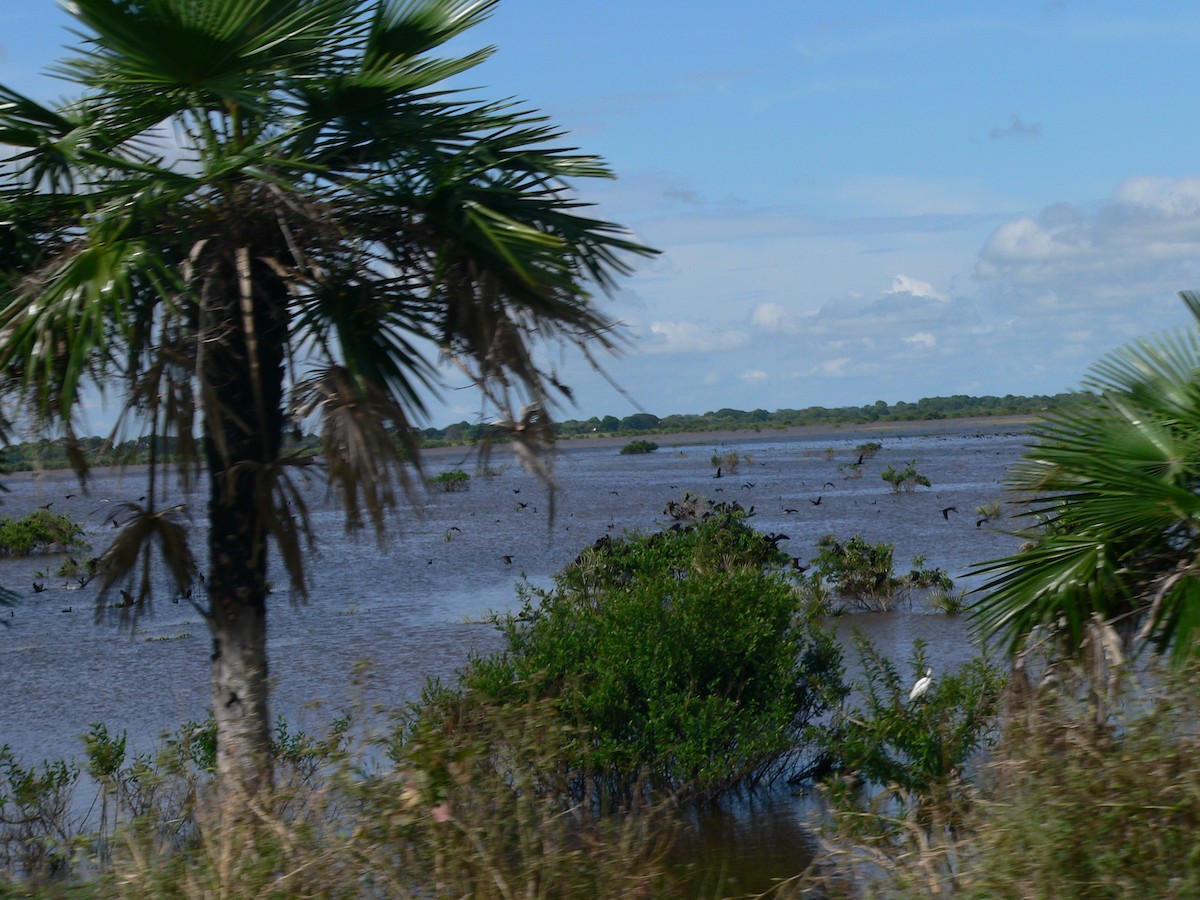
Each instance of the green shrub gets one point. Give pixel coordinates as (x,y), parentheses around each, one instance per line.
(868,449)
(864,574)
(907,478)
(895,775)
(638,447)
(451,481)
(677,658)
(41,531)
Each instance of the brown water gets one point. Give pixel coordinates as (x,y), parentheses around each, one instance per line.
(403,611)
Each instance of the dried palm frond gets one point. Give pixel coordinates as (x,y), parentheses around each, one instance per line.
(366,439)
(135,543)
(283,513)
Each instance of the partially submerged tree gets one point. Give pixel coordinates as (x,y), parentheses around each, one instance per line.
(1113,488)
(259,211)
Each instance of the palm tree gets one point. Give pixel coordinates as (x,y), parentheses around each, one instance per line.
(1114,487)
(258,212)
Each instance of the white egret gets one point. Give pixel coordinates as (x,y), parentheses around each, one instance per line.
(922,685)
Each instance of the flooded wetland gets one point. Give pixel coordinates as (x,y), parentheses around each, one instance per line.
(384,616)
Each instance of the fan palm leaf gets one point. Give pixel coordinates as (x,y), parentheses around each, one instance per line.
(1114,488)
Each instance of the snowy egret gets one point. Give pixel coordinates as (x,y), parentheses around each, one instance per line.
(922,685)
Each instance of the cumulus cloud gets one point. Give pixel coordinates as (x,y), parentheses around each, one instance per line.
(921,339)
(754,376)
(1147,234)
(772,317)
(903,284)
(688,337)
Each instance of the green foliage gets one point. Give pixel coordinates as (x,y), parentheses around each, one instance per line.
(916,746)
(40,531)
(949,603)
(1070,811)
(451,481)
(868,449)
(467,808)
(677,657)
(729,462)
(991,510)
(864,574)
(634,447)
(1112,492)
(956,407)
(907,478)
(35,816)
(896,773)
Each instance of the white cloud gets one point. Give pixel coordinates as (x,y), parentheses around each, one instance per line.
(835,368)
(774,318)
(903,284)
(921,339)
(754,376)
(1145,238)
(688,337)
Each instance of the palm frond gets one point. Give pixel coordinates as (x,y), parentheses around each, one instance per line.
(1115,489)
(130,553)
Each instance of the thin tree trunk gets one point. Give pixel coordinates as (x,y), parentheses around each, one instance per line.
(243,428)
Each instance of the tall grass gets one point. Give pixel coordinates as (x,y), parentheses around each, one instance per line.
(465,810)
(1062,807)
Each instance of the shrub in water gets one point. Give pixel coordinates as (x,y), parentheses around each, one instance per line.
(41,531)
(638,447)
(678,656)
(453,480)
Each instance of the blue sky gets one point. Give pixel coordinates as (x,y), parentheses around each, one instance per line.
(854,202)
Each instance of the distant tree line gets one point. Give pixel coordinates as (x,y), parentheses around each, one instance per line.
(958,406)
(49,454)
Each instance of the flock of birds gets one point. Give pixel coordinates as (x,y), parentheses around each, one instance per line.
(751,485)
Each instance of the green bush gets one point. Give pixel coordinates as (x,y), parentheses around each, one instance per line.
(678,657)
(868,449)
(451,481)
(41,531)
(638,447)
(907,478)
(864,573)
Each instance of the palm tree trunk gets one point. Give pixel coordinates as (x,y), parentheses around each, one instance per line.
(243,428)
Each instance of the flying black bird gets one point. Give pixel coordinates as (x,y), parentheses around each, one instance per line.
(829,484)
(38,587)
(788,510)
(946,512)
(816,502)
(718,475)
(506,559)
(748,485)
